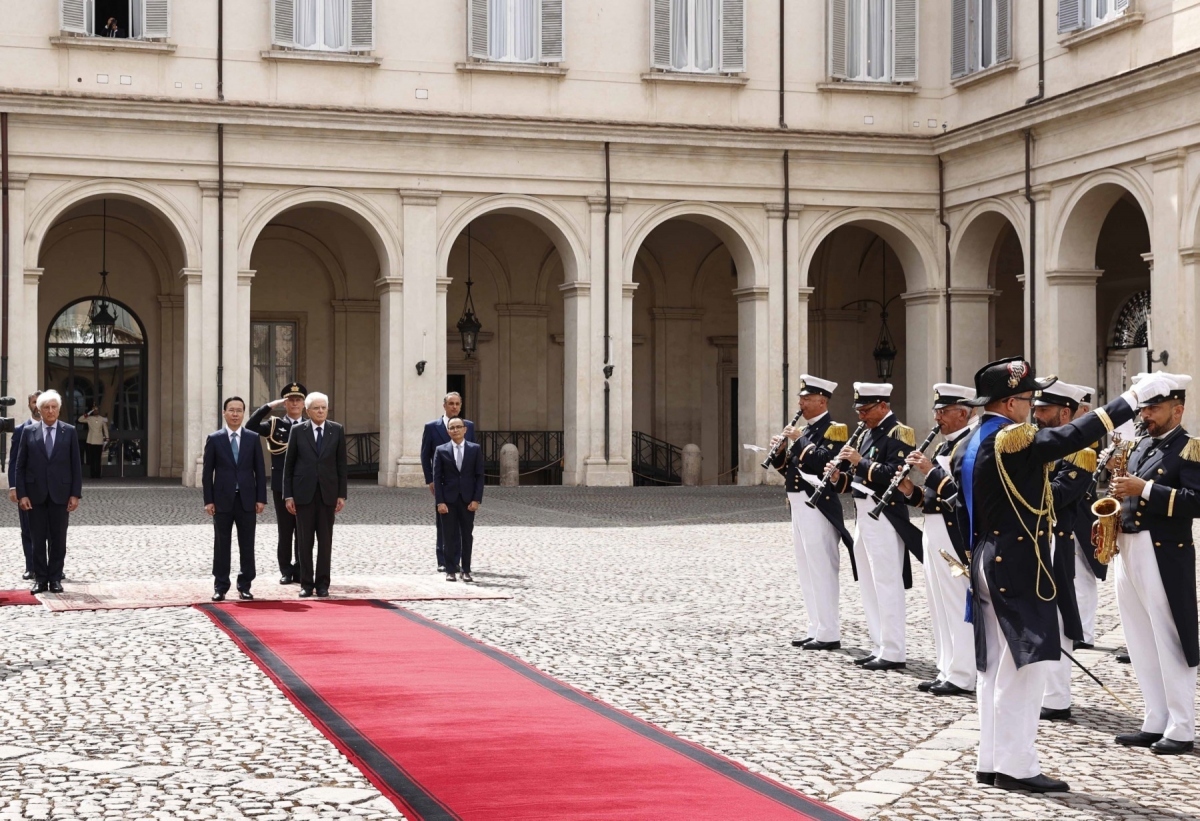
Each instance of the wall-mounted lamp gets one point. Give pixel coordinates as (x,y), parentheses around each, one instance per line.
(421,367)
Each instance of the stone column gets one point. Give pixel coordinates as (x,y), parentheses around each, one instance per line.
(421,336)
(778,302)
(628,289)
(170,385)
(800,354)
(391,377)
(577,394)
(24,335)
(241,344)
(924,357)
(754,362)
(1067,338)
(200,366)
(1037,266)
(1173,306)
(235,353)
(971,335)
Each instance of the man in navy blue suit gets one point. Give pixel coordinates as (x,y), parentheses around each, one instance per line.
(18,433)
(49,481)
(235,491)
(458,488)
(435,435)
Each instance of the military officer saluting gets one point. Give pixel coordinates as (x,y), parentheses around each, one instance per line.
(1155,567)
(1006,505)
(275,430)
(953,640)
(815,531)
(882,546)
(1070,479)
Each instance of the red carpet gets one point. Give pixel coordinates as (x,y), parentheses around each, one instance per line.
(8,597)
(449,728)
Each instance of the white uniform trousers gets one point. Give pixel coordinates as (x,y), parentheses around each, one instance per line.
(1058,680)
(1085,591)
(1009,700)
(1168,685)
(953,637)
(816,544)
(879,556)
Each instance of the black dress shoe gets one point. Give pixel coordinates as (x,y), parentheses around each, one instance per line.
(985,778)
(286,578)
(883,664)
(322,592)
(823,645)
(218,597)
(40,587)
(864,660)
(802,642)
(947,688)
(306,592)
(1138,739)
(1082,645)
(926,686)
(56,587)
(245,595)
(450,577)
(27,575)
(441,568)
(1039,783)
(466,577)
(1169,746)
(1055,715)
(1123,658)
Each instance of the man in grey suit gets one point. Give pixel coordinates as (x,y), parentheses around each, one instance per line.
(18,433)
(314,487)
(49,486)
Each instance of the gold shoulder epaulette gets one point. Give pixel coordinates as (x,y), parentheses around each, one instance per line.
(1015,438)
(837,432)
(905,434)
(1084,460)
(1191,451)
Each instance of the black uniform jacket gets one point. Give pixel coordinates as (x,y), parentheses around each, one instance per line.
(809,454)
(274,431)
(1009,542)
(1083,529)
(1174,467)
(883,451)
(939,497)
(1070,479)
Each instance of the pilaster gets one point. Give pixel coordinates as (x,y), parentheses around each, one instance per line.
(754,362)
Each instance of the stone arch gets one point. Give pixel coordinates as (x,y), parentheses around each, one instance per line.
(554,222)
(911,246)
(544,277)
(361,211)
(1077,229)
(314,246)
(654,272)
(1190,230)
(973,243)
(142,240)
(702,274)
(729,227)
(164,204)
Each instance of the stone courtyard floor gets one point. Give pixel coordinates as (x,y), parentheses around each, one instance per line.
(676,605)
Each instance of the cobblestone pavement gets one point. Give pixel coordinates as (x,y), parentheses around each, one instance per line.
(676,605)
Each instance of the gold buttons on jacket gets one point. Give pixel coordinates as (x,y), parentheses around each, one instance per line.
(1158,544)
(995,532)
(1020,538)
(1160,470)
(1002,590)
(999,558)
(1041,533)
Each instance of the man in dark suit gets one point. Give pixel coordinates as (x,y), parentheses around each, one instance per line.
(1006,507)
(435,435)
(18,433)
(49,486)
(314,487)
(235,491)
(274,431)
(458,488)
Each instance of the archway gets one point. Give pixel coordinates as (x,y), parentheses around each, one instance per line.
(987,290)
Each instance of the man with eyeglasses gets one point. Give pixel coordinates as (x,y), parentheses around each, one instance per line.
(1007,508)
(882,545)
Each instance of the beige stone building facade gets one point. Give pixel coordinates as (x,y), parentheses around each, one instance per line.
(668,211)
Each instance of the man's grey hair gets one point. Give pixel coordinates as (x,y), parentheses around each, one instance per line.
(47,397)
(313,397)
(446,398)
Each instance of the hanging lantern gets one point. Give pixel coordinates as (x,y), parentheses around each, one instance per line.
(101,318)
(468,324)
(885,350)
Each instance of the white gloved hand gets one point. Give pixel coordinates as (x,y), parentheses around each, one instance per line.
(1152,386)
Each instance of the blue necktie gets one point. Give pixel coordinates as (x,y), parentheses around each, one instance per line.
(320,437)
(49,437)
(233,442)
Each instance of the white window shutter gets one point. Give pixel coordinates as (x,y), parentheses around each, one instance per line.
(1120,5)
(156,19)
(283,23)
(904,41)
(733,36)
(836,23)
(1004,36)
(477,29)
(73,16)
(362,25)
(660,34)
(1070,15)
(958,38)
(552,49)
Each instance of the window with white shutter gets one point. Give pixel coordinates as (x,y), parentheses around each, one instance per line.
(698,36)
(904,41)
(733,36)
(515,31)
(980,36)
(76,16)
(323,25)
(283,23)
(873,40)
(150,19)
(362,25)
(660,34)
(127,19)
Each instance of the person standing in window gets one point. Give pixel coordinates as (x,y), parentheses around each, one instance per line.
(97,435)
(112,28)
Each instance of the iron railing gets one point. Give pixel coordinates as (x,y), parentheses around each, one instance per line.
(362,453)
(655,462)
(539,454)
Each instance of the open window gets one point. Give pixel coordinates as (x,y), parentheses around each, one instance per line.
(873,41)
(116,19)
(323,25)
(980,35)
(698,36)
(515,31)
(1077,15)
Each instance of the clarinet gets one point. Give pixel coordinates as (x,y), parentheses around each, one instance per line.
(766,463)
(901,474)
(826,483)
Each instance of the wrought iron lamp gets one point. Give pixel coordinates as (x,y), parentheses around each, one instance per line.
(885,351)
(468,323)
(101,317)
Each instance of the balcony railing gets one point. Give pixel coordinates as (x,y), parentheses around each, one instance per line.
(655,462)
(539,454)
(362,454)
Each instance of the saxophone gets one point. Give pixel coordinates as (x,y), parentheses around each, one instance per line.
(1107,510)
